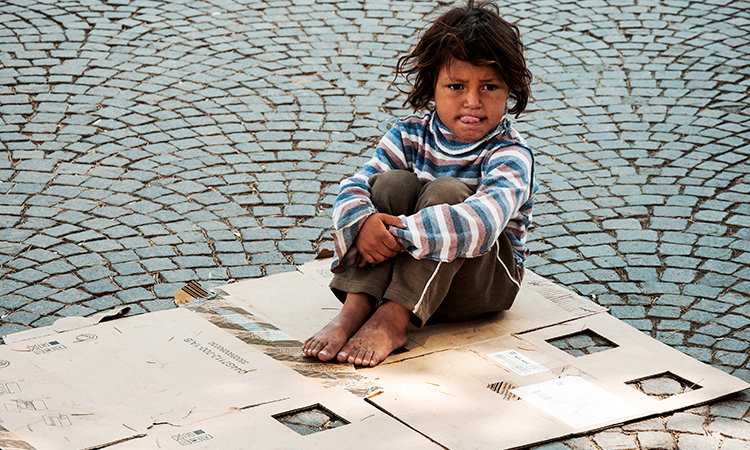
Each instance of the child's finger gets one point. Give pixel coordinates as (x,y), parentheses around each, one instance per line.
(392,221)
(391,244)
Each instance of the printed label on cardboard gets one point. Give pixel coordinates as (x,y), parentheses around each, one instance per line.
(517,362)
(192,437)
(220,354)
(46,347)
(57,420)
(9,388)
(20,405)
(576,401)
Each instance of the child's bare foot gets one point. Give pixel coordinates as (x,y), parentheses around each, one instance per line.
(331,338)
(383,333)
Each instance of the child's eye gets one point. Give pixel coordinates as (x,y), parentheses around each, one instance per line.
(455,87)
(491,87)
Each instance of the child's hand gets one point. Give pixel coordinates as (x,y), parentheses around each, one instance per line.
(374,242)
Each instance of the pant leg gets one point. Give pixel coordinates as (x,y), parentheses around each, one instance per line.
(395,192)
(458,290)
(434,291)
(482,285)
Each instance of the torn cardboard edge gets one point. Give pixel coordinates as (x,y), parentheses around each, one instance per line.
(66,324)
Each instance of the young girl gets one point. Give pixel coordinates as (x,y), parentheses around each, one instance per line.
(433,228)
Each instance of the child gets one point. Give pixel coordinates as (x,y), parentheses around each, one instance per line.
(433,228)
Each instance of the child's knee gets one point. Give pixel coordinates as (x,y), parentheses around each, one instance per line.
(395,192)
(448,190)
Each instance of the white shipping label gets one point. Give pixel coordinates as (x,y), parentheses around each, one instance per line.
(576,401)
(517,362)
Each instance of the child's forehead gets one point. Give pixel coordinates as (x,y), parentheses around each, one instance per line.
(456,68)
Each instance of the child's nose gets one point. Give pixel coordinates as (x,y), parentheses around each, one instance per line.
(472,100)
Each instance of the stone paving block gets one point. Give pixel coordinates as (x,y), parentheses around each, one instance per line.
(43,307)
(103,303)
(733,345)
(682,301)
(734,444)
(75,310)
(295,245)
(180,275)
(561,255)
(70,296)
(21,317)
(734,321)
(28,275)
(11,328)
(36,292)
(101,286)
(134,294)
(194,249)
(702,290)
(697,442)
(158,305)
(678,275)
(628,312)
(11,302)
(242,272)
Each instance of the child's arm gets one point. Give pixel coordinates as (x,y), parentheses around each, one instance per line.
(502,202)
(353,206)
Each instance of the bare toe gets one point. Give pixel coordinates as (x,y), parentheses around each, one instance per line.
(383,333)
(312,347)
(328,342)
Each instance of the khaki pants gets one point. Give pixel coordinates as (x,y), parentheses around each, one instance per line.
(434,291)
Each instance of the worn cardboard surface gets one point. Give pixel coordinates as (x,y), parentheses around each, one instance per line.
(162,380)
(441,384)
(213,375)
(115,380)
(451,386)
(255,427)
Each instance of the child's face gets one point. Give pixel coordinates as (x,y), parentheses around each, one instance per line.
(470,100)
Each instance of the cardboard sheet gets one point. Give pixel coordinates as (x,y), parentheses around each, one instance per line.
(214,374)
(115,380)
(442,382)
(256,427)
(166,379)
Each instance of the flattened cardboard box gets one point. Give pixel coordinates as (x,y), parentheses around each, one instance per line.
(508,380)
(218,374)
(172,379)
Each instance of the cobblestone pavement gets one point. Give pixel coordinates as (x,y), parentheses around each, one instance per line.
(149,143)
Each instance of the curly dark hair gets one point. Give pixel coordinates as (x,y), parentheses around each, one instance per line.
(474,33)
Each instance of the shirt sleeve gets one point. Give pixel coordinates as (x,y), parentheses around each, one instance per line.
(469,229)
(353,203)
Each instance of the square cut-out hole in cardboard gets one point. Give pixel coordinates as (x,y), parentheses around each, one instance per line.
(582,343)
(663,385)
(310,419)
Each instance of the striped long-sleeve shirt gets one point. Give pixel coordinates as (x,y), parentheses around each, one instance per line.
(499,167)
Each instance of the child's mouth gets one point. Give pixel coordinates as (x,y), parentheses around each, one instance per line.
(470,120)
